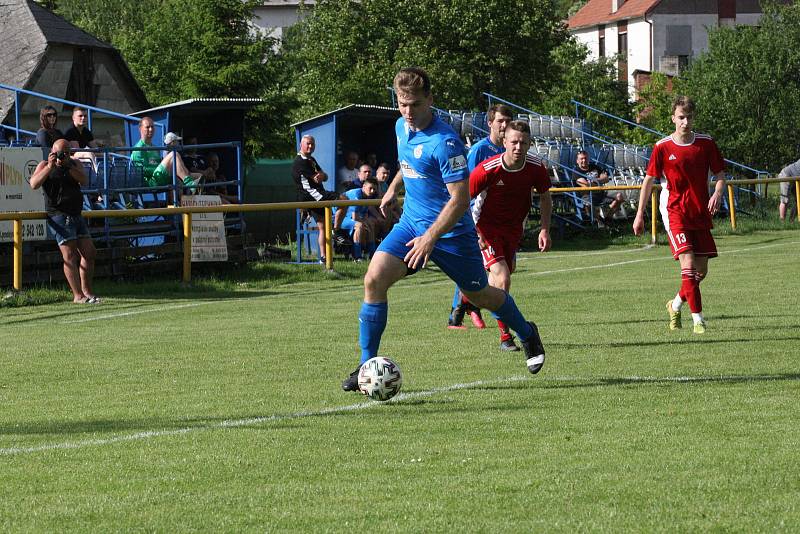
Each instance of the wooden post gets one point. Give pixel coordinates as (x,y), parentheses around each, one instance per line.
(653,212)
(797,198)
(18,254)
(187,248)
(731,207)
(328,244)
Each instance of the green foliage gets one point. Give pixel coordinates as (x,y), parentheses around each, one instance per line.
(594,83)
(178,50)
(347,51)
(654,109)
(748,88)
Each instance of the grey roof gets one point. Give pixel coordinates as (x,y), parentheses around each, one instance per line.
(27,29)
(57,30)
(355,109)
(206,103)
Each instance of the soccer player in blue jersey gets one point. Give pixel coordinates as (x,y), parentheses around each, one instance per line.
(497,118)
(435,225)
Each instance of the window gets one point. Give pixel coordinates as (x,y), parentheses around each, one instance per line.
(622,50)
(601,41)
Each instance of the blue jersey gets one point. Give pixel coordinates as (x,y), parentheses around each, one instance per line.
(361,211)
(482,150)
(430,159)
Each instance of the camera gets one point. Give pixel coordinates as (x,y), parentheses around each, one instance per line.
(62,155)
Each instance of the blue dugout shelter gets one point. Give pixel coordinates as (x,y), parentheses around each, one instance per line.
(357,127)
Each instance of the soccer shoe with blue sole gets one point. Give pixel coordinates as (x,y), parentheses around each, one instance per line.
(674,317)
(351,382)
(534,350)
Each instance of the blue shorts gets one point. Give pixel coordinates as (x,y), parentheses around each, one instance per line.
(459,256)
(67,227)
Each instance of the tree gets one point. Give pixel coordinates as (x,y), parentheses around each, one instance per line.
(748,88)
(591,82)
(205,48)
(348,51)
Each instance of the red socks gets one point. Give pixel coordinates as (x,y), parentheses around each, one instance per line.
(690,290)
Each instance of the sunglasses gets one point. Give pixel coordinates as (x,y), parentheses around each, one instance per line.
(51,114)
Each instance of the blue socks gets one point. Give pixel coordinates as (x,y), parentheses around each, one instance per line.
(357,251)
(371,323)
(510,314)
(456,297)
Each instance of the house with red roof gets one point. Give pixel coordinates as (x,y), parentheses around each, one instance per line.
(655,35)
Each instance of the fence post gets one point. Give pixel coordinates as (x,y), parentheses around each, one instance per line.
(653,211)
(17,254)
(328,244)
(731,207)
(797,198)
(187,247)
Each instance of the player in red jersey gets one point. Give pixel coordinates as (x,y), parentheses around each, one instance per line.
(501,187)
(685,159)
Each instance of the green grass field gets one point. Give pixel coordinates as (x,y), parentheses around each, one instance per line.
(219,408)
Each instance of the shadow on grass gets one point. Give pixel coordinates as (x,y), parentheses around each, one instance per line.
(681,381)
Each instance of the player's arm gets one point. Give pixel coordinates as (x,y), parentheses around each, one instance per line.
(715,201)
(644,199)
(546,207)
(453,210)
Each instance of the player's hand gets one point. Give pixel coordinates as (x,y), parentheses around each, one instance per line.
(638,224)
(714,203)
(52,160)
(421,248)
(544,240)
(481,243)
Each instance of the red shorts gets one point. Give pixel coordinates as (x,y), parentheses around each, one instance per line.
(698,241)
(500,246)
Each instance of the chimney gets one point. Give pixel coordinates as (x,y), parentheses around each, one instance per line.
(616,4)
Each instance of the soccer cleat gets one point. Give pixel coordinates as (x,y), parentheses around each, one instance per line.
(351,382)
(508,345)
(477,320)
(534,350)
(700,328)
(674,317)
(456,319)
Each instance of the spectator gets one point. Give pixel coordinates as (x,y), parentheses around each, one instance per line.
(158,170)
(48,133)
(308,178)
(372,161)
(364,172)
(787,189)
(590,175)
(386,218)
(357,220)
(79,136)
(348,174)
(193,160)
(228,193)
(61,177)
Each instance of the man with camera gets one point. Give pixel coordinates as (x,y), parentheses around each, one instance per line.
(61,177)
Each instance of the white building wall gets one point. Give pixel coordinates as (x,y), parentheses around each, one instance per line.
(639,52)
(590,39)
(698,24)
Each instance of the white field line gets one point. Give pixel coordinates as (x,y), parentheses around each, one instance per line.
(168,307)
(254,421)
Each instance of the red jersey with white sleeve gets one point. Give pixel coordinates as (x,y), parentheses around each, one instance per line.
(684,198)
(503,196)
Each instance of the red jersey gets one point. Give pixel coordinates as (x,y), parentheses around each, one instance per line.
(502,196)
(684,198)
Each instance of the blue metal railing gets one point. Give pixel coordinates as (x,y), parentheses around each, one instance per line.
(579,105)
(17,129)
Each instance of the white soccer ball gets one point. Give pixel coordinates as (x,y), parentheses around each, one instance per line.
(380,378)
